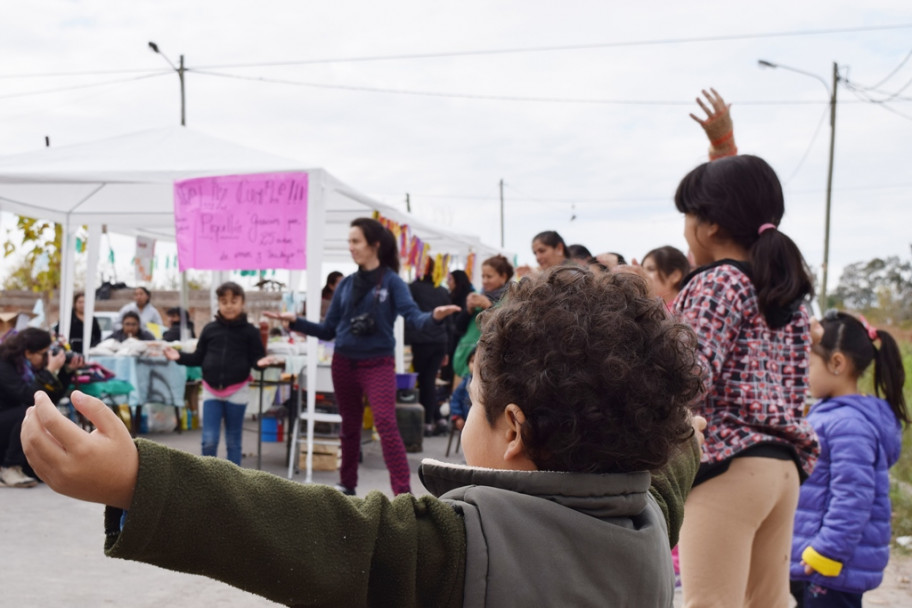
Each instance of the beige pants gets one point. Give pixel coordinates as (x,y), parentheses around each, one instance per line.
(737,536)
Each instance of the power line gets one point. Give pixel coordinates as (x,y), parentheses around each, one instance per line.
(482,97)
(809,146)
(482,52)
(81,73)
(79,86)
(890,75)
(524,198)
(569,47)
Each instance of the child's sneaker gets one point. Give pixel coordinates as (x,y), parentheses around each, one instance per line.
(345,490)
(13,477)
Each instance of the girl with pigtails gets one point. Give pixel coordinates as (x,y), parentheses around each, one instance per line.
(841,541)
(745,301)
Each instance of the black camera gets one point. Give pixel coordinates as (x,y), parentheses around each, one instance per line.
(69,354)
(363,325)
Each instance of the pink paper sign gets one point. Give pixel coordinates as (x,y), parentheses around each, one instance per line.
(241,222)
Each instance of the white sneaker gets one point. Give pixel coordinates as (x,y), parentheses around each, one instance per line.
(13,477)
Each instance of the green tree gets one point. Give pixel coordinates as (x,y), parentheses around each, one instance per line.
(884,284)
(36,237)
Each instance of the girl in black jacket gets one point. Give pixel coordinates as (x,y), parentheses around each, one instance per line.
(227,349)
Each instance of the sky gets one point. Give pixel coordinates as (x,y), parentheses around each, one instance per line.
(580,107)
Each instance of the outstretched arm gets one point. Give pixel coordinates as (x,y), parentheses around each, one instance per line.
(100,466)
(717,125)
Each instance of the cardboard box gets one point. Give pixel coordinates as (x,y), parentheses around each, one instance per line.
(325,457)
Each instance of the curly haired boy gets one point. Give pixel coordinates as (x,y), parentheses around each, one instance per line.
(580,391)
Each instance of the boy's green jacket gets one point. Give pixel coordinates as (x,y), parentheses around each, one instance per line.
(309,545)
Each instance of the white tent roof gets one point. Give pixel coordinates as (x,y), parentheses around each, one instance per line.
(126,183)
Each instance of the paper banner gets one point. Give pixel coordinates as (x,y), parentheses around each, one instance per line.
(142,261)
(242,221)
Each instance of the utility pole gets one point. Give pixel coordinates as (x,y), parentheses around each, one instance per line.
(408,203)
(829,192)
(501,215)
(831,91)
(180,74)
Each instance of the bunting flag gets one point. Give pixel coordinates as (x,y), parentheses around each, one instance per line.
(438,270)
(403,243)
(445,272)
(470,265)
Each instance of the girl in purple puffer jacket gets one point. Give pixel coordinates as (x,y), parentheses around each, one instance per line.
(841,542)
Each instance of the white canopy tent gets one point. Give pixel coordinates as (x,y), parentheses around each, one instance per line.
(127,184)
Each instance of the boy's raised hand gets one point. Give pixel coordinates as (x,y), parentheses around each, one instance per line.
(100,466)
(171,354)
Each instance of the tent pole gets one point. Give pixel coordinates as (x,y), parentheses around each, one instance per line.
(93,246)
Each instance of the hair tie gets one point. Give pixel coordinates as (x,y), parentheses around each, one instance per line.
(765,227)
(872,331)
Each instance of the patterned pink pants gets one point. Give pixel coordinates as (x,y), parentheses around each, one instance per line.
(375,378)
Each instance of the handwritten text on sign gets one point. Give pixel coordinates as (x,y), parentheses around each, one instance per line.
(234,222)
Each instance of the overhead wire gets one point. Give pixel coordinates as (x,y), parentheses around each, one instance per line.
(483,52)
(569,47)
(484,97)
(810,145)
(81,86)
(892,73)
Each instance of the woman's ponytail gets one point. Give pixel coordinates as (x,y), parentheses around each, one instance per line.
(890,375)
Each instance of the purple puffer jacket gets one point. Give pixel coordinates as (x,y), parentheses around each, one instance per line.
(844,506)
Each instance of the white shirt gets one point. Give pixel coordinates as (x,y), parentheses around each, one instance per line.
(147,315)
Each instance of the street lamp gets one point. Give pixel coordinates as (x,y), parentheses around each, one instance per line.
(180,74)
(829,190)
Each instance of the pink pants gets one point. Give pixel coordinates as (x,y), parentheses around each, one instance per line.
(375,378)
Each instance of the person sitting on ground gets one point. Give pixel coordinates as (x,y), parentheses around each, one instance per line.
(26,366)
(142,307)
(566,464)
(173,333)
(130,327)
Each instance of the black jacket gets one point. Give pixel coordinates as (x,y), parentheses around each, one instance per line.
(76,328)
(14,392)
(428,297)
(226,350)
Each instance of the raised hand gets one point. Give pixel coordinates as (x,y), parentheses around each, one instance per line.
(100,466)
(717,124)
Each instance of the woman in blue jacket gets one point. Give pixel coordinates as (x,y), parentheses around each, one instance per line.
(841,542)
(360,320)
